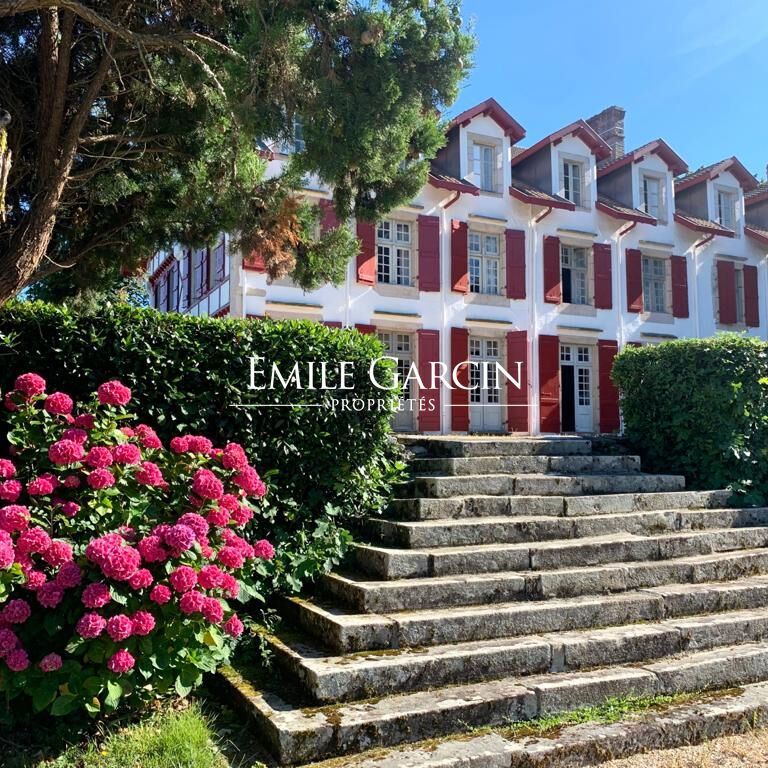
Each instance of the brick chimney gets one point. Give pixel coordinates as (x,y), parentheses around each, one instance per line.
(609,125)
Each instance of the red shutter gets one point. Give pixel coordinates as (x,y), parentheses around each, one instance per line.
(328,218)
(553,284)
(429,352)
(515,245)
(460,397)
(255,262)
(679,286)
(634,280)
(332,323)
(429,253)
(185,291)
(363,328)
(726,289)
(517,399)
(549,383)
(609,395)
(603,275)
(206,257)
(366,258)
(751,307)
(459,259)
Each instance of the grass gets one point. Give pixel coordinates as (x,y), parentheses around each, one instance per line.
(168,738)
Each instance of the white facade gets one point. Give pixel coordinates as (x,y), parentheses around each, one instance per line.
(481,144)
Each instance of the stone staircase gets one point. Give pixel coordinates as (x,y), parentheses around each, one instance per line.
(515,578)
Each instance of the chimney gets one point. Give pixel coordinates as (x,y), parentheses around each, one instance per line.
(609,125)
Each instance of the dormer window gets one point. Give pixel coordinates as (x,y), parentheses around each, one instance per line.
(726,209)
(484,166)
(572,181)
(651,196)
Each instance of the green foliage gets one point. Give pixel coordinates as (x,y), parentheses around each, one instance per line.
(192,374)
(699,407)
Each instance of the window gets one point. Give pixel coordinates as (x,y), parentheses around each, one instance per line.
(726,209)
(393,252)
(583,387)
(573,179)
(299,145)
(654,284)
(484,263)
(739,278)
(480,351)
(219,263)
(399,345)
(651,196)
(200,273)
(173,287)
(484,166)
(574,265)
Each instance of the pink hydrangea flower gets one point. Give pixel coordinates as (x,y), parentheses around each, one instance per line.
(121,662)
(160,594)
(113,393)
(212,610)
(58,404)
(141,579)
(234,457)
(263,550)
(96,595)
(152,550)
(210,577)
(9,402)
(231,557)
(34,579)
(150,474)
(191,602)
(33,540)
(180,537)
(206,485)
(119,627)
(65,452)
(183,578)
(16,612)
(70,508)
(179,444)
(229,502)
(198,444)
(126,453)
(101,478)
(143,623)
(148,437)
(218,517)
(58,553)
(99,457)
(14,518)
(242,515)
(69,575)
(17,660)
(29,384)
(85,421)
(41,486)
(50,663)
(8,641)
(196,522)
(71,481)
(10,490)
(50,594)
(75,435)
(90,625)
(7,469)
(121,563)
(248,479)
(233,626)
(7,555)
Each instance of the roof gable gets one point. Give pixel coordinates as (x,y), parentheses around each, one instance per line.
(580,129)
(491,108)
(710,172)
(659,147)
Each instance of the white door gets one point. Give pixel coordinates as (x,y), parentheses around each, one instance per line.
(400,346)
(576,409)
(485,407)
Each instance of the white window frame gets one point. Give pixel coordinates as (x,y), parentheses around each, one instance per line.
(651,281)
(394,252)
(568,254)
(575,194)
(400,345)
(661,212)
(741,301)
(484,162)
(484,264)
(731,195)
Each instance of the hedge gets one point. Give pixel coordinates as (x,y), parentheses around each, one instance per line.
(189,374)
(699,407)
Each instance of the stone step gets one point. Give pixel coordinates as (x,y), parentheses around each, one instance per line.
(555,506)
(538,485)
(513,530)
(477,589)
(298,735)
(467,447)
(328,678)
(490,465)
(346,631)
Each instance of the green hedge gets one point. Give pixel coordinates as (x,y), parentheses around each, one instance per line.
(699,407)
(187,373)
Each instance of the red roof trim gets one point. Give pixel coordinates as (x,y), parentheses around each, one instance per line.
(700,225)
(453,186)
(760,235)
(732,165)
(759,197)
(162,267)
(625,215)
(659,147)
(580,129)
(491,108)
(545,202)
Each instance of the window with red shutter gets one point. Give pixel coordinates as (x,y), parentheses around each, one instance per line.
(428,353)
(751,298)
(553,287)
(219,261)
(328,218)
(460,397)
(549,383)
(601,253)
(679,286)
(515,246)
(173,287)
(364,328)
(726,292)
(609,395)
(429,253)
(517,398)
(366,258)
(634,280)
(459,257)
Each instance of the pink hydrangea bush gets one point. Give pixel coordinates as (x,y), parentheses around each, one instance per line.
(121,560)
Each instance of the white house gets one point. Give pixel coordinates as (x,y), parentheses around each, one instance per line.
(556,255)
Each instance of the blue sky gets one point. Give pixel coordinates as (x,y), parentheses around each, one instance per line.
(693,72)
